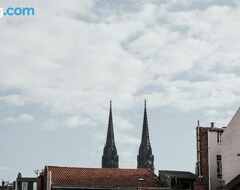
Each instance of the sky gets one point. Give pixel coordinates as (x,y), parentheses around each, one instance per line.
(60,68)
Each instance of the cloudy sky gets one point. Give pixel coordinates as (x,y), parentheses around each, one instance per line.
(60,68)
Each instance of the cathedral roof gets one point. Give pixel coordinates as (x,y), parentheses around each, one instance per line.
(102,177)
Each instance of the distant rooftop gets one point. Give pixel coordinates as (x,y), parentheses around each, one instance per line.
(178,174)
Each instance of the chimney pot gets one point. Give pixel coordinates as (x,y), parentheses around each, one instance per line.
(212,124)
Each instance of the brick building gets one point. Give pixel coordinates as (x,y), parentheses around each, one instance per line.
(209,158)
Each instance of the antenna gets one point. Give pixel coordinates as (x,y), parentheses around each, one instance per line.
(36,171)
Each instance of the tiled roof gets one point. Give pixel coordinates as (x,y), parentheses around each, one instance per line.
(178,174)
(102,177)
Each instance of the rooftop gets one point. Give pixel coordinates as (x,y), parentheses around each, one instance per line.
(102,177)
(234,183)
(178,174)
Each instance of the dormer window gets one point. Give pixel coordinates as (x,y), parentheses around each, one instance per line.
(140,179)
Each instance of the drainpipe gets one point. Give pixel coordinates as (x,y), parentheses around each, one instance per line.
(209,162)
(49,180)
(198,149)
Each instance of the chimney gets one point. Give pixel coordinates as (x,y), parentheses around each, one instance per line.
(212,124)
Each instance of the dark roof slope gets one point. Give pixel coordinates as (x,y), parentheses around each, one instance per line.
(178,174)
(234,183)
(102,177)
(27,179)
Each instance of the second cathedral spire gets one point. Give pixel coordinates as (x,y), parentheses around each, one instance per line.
(145,158)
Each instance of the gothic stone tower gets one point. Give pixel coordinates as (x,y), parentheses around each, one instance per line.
(145,158)
(110,157)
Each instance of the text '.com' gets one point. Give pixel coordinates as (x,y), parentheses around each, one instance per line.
(17,11)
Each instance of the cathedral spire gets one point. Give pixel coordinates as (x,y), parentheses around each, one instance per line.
(110,133)
(145,133)
(110,157)
(145,157)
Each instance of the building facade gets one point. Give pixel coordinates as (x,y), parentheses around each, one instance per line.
(5,185)
(209,158)
(25,183)
(230,148)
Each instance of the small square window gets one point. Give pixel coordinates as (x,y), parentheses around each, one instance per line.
(219,134)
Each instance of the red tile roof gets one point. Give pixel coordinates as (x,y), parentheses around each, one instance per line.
(102,177)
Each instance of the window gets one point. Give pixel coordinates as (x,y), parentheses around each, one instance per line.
(219,166)
(34,185)
(219,137)
(24,185)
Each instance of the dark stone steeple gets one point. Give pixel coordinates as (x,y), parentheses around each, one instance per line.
(110,157)
(145,158)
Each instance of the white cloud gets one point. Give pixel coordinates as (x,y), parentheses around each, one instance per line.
(124,139)
(25,117)
(122,124)
(127,158)
(51,125)
(211,113)
(129,55)
(175,57)
(13,99)
(21,118)
(76,121)
(7,168)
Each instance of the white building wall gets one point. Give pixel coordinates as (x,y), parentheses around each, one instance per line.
(214,149)
(230,148)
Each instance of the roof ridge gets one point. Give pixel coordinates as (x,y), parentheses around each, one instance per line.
(175,171)
(76,167)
